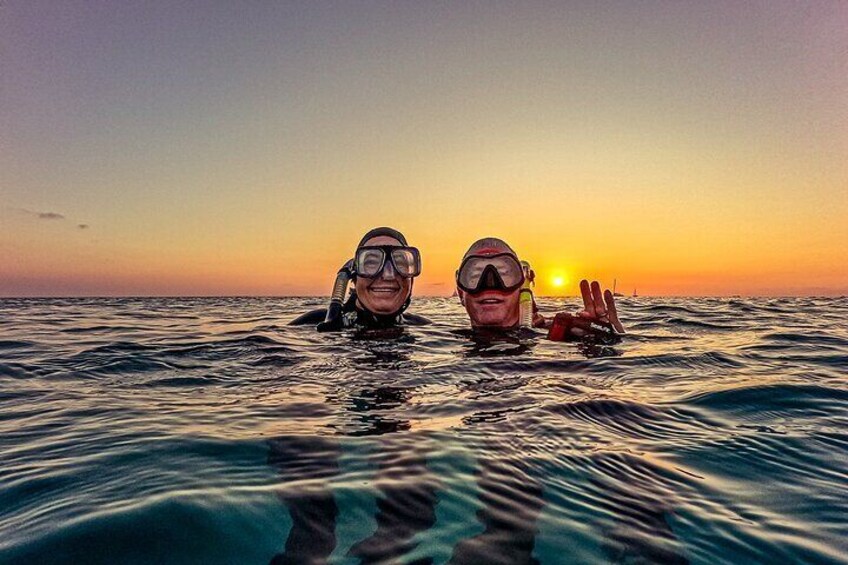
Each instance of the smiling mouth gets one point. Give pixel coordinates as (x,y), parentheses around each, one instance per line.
(491,301)
(384,289)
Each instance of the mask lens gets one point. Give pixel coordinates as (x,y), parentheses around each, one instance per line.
(369,262)
(506,265)
(406,262)
(469,273)
(510,272)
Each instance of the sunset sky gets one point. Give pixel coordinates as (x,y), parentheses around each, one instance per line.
(241,148)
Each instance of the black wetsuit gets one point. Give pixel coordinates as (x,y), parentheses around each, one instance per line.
(352,317)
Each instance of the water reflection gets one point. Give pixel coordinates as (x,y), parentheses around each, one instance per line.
(592,350)
(312,507)
(511,493)
(637,500)
(407,488)
(512,500)
(496,343)
(486,343)
(376,351)
(406,505)
(369,404)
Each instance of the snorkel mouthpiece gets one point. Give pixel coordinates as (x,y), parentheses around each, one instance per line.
(333,320)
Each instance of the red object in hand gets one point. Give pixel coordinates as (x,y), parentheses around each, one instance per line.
(560,328)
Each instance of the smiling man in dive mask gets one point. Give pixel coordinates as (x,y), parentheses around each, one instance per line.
(382,270)
(489,283)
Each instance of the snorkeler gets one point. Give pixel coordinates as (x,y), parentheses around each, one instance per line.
(382,269)
(493,286)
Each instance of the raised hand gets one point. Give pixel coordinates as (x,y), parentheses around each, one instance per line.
(597,307)
(597,321)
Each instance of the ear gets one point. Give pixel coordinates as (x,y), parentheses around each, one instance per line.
(461,294)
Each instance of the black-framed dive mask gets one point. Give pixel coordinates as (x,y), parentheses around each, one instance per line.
(371,259)
(478,273)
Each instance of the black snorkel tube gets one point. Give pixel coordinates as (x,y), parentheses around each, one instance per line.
(333,320)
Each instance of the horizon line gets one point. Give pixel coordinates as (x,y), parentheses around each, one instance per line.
(327,296)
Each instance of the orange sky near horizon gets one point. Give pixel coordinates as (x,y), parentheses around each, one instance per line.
(680,149)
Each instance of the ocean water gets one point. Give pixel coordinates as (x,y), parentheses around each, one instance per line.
(207,431)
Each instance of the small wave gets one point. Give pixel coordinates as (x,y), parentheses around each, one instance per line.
(178,382)
(99,329)
(16,344)
(815,338)
(701,324)
(279,361)
(225,530)
(670,308)
(16,370)
(776,397)
(635,419)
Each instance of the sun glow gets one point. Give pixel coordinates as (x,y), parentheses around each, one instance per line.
(554,282)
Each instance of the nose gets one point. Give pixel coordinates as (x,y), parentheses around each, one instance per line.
(491,282)
(388,272)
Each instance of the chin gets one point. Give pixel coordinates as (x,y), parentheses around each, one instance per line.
(492,319)
(383,305)
(386,310)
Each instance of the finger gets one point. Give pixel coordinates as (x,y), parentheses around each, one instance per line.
(598,299)
(612,312)
(539,321)
(588,306)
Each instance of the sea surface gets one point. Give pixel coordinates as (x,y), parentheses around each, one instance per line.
(206,430)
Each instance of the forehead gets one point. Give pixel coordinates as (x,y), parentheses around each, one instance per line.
(488,251)
(383,240)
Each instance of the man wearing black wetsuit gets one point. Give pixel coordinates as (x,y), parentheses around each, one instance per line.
(489,282)
(383,269)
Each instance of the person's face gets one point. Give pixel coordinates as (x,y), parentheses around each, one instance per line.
(491,308)
(385,293)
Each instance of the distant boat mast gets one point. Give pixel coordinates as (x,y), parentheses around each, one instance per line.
(614,293)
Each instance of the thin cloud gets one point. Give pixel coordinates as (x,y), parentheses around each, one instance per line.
(41,215)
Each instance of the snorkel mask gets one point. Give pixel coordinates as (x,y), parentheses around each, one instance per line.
(370,261)
(373,264)
(499,272)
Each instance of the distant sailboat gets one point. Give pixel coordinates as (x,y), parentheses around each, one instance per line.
(634,293)
(614,293)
